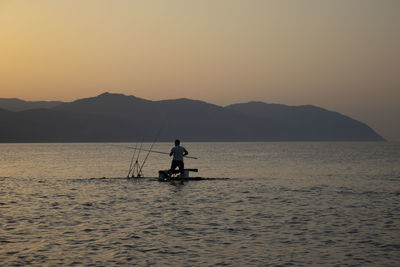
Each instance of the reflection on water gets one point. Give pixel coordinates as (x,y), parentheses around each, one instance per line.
(287,203)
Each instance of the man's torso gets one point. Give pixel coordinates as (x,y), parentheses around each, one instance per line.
(178,152)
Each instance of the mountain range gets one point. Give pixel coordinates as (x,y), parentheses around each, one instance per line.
(120,118)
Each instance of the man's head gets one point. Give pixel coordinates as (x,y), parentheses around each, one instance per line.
(177,142)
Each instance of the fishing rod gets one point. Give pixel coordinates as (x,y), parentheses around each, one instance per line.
(133,158)
(159,152)
(148,153)
(137,166)
(155,151)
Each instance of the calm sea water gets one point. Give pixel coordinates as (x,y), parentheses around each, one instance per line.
(285,204)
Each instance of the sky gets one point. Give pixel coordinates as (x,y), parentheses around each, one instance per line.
(342,55)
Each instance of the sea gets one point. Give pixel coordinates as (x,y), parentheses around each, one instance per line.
(274,204)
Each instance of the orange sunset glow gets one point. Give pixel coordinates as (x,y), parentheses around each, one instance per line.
(340,55)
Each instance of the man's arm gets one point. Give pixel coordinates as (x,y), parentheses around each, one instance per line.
(185,152)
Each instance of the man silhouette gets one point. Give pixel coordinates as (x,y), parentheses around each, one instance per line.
(179,152)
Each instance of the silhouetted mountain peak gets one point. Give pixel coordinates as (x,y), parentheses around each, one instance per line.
(110,98)
(106,104)
(107,95)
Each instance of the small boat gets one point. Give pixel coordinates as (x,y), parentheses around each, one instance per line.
(168,175)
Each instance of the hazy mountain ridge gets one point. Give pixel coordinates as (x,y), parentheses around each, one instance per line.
(117,117)
(15,104)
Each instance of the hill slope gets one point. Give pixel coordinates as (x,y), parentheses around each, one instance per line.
(309,123)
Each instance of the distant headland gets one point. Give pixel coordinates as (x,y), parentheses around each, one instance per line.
(121,118)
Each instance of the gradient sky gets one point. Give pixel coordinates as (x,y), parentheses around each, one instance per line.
(343,55)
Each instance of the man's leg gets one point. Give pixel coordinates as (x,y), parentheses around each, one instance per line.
(173,167)
(181,166)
